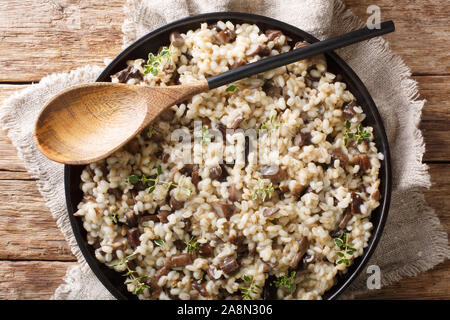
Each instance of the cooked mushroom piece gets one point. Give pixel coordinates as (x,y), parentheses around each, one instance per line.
(303,246)
(116,193)
(238,62)
(129,73)
(133,237)
(153,288)
(212,271)
(225,36)
(175,204)
(273,34)
(234,194)
(215,172)
(229,265)
(348,110)
(267,212)
(223,209)
(162,272)
(205,250)
(274,173)
(356,203)
(302,139)
(162,215)
(179,260)
(298,190)
(200,288)
(176,39)
(345,219)
(261,50)
(237,121)
(270,290)
(131,217)
(133,146)
(338,154)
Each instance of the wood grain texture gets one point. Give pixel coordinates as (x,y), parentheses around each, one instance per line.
(31,279)
(27,228)
(422,29)
(39,37)
(55,35)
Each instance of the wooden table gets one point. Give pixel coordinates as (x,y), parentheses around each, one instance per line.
(39,37)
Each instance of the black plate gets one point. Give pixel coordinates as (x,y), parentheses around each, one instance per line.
(151,42)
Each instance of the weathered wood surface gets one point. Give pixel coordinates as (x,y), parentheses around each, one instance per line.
(37,39)
(44,36)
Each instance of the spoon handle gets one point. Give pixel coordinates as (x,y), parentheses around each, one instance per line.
(313,49)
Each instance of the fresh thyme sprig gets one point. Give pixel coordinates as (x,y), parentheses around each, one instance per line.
(155,61)
(205,135)
(153,182)
(360,135)
(139,282)
(262,191)
(159,242)
(270,125)
(346,251)
(249,292)
(285,281)
(232,87)
(191,245)
(114,217)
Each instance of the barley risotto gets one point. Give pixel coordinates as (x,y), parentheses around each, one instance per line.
(227,224)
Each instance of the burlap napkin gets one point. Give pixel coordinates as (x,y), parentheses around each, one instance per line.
(413,240)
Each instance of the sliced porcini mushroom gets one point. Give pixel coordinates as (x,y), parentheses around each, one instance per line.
(175,204)
(229,265)
(116,192)
(298,190)
(356,203)
(132,220)
(303,246)
(205,250)
(338,154)
(215,172)
(238,62)
(237,121)
(153,288)
(225,36)
(162,215)
(167,115)
(213,272)
(201,288)
(234,194)
(133,237)
(267,212)
(133,146)
(162,272)
(272,34)
(274,173)
(261,50)
(301,44)
(348,110)
(302,139)
(269,289)
(223,209)
(176,39)
(345,219)
(363,162)
(179,260)
(128,73)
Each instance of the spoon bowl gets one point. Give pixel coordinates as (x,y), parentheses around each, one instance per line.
(88,122)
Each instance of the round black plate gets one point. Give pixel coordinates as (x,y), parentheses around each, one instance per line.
(151,42)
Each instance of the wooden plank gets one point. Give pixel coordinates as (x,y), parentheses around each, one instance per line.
(31,279)
(50,35)
(435,123)
(39,37)
(27,228)
(422,31)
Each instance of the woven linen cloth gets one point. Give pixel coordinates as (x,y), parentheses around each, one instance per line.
(413,240)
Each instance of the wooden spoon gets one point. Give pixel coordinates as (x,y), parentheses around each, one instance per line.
(88,122)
